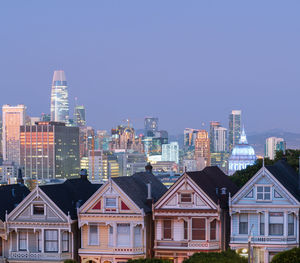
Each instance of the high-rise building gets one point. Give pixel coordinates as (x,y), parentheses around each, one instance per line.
(151,126)
(49,150)
(220,140)
(234,132)
(213,125)
(202,150)
(170,152)
(79,115)
(12,118)
(273,145)
(59,97)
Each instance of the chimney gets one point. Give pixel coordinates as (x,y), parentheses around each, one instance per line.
(83,174)
(20,179)
(148,168)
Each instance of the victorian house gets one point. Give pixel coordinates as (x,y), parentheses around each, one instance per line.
(43,227)
(116,222)
(265,213)
(193,215)
(10,197)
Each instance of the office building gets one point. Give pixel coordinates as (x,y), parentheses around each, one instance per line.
(49,150)
(151,126)
(273,145)
(170,152)
(12,118)
(59,97)
(213,125)
(202,150)
(220,140)
(79,116)
(234,132)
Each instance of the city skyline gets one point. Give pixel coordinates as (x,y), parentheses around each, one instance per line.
(177,62)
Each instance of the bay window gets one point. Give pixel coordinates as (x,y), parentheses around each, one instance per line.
(51,241)
(243,224)
(290,224)
(275,223)
(22,240)
(138,236)
(167,229)
(262,224)
(123,235)
(111,236)
(185,230)
(213,230)
(93,235)
(198,229)
(65,241)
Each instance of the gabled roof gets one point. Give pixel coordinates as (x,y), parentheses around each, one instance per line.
(71,194)
(287,176)
(10,196)
(135,187)
(211,178)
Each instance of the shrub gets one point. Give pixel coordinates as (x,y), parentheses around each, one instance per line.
(289,256)
(228,256)
(70,261)
(149,260)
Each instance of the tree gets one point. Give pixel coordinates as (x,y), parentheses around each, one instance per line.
(289,256)
(70,261)
(228,256)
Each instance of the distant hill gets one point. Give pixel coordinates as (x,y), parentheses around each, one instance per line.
(258,140)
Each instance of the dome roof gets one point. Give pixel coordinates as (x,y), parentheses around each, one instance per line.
(243,148)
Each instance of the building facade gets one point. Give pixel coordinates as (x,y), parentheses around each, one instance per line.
(59,97)
(234,132)
(193,216)
(170,152)
(49,150)
(265,212)
(150,126)
(79,115)
(202,150)
(273,145)
(12,118)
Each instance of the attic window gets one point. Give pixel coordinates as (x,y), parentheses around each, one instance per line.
(38,209)
(186,198)
(263,193)
(110,202)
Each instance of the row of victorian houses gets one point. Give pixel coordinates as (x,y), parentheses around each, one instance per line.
(137,216)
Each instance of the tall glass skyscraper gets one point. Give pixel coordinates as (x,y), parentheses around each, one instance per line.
(79,115)
(234,133)
(59,97)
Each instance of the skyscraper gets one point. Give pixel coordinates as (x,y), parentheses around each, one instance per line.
(59,97)
(274,144)
(151,126)
(49,150)
(79,115)
(170,152)
(12,118)
(213,125)
(202,150)
(234,128)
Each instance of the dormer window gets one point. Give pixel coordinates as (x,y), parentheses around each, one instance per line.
(38,209)
(263,193)
(110,203)
(185,198)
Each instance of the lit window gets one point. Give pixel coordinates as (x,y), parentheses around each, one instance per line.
(185,198)
(110,202)
(263,193)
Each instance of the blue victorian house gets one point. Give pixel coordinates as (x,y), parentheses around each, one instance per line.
(265,213)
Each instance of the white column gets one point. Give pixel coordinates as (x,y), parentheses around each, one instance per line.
(17,240)
(114,234)
(59,241)
(206,229)
(27,240)
(10,241)
(266,223)
(43,242)
(131,235)
(285,223)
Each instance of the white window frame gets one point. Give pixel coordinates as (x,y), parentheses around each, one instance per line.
(38,204)
(97,241)
(245,234)
(181,202)
(26,239)
(113,197)
(263,193)
(128,244)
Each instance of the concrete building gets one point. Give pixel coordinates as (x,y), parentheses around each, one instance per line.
(79,116)
(170,152)
(274,144)
(49,150)
(12,118)
(202,150)
(234,133)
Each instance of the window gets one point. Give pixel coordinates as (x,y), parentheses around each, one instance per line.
(110,202)
(123,235)
(138,236)
(262,224)
(185,230)
(38,209)
(110,236)
(243,224)
(93,235)
(51,240)
(276,224)
(263,193)
(22,240)
(290,224)
(185,198)
(213,230)
(39,240)
(65,241)
(167,229)
(198,229)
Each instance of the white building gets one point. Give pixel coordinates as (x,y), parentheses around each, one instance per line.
(170,152)
(274,144)
(220,139)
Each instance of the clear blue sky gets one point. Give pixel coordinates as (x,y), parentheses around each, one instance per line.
(186,62)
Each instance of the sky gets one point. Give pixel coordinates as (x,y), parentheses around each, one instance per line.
(185,62)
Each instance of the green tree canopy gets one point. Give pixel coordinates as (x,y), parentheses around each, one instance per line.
(289,256)
(228,256)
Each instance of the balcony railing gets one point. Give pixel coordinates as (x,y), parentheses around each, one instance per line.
(264,239)
(188,244)
(117,250)
(39,256)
